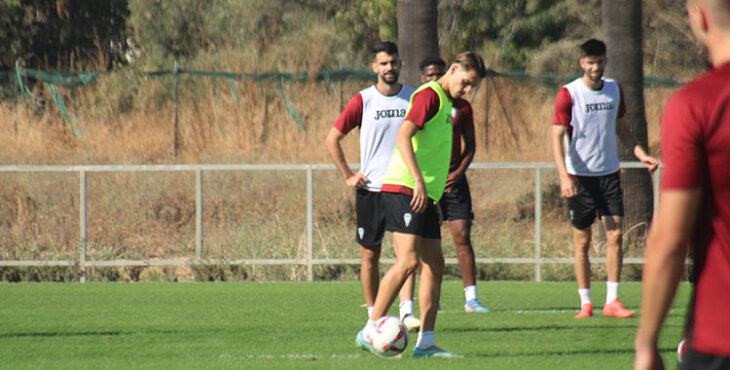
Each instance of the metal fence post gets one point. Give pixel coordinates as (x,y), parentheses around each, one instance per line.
(82,223)
(199,214)
(538,224)
(310,223)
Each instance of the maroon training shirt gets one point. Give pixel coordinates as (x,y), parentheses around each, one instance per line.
(695,148)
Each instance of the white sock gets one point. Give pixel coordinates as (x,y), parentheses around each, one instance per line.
(366,329)
(611,291)
(425,340)
(370,311)
(405,308)
(470,292)
(585,296)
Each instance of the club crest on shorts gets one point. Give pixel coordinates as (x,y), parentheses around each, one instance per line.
(407,218)
(360,232)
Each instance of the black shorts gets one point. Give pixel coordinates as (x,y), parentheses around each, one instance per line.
(700,361)
(599,194)
(456,204)
(399,217)
(370,218)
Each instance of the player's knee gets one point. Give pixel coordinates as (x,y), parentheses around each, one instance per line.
(462,239)
(613,237)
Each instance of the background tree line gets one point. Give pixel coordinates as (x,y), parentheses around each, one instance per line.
(264,35)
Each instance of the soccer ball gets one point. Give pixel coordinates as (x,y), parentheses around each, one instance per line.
(389,336)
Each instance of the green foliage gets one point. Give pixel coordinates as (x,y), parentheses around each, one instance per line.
(62,34)
(363,23)
(510,30)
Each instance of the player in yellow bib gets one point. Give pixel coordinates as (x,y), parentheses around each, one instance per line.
(413,184)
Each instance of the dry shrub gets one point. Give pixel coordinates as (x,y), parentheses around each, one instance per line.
(256,214)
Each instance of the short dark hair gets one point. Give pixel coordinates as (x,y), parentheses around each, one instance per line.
(470,60)
(432,61)
(592,48)
(387,47)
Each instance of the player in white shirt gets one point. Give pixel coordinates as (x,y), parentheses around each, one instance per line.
(584,146)
(378,111)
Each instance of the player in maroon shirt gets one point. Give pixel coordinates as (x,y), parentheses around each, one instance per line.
(694,206)
(456,202)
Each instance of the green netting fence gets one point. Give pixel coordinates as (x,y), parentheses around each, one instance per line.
(15,83)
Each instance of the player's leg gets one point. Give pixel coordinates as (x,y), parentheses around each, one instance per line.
(432,272)
(429,294)
(457,210)
(614,252)
(429,290)
(405,307)
(461,232)
(611,211)
(582,215)
(369,274)
(369,234)
(406,262)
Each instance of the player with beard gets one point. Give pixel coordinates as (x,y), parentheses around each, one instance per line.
(378,112)
(587,113)
(694,206)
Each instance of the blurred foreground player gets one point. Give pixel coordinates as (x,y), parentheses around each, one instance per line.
(694,206)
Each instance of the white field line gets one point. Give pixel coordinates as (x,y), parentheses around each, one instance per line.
(293,356)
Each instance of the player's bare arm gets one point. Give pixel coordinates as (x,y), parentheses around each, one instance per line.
(334,137)
(629,140)
(665,253)
(467,156)
(567,185)
(403,142)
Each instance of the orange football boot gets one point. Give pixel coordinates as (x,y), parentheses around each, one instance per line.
(616,309)
(586,311)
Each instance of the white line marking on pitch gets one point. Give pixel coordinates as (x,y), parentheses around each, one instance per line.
(293,356)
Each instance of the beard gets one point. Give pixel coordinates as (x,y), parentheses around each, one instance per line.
(390,79)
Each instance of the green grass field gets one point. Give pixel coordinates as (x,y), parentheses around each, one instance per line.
(305,325)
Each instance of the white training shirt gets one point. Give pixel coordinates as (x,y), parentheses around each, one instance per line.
(379,118)
(591,139)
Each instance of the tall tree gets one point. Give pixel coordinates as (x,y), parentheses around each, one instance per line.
(622,27)
(417,35)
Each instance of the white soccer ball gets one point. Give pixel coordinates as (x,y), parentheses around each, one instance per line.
(389,336)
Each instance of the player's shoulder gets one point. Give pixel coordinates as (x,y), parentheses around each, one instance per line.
(611,83)
(572,84)
(406,90)
(426,93)
(368,92)
(706,85)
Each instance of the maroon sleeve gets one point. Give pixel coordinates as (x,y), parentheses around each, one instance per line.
(351,116)
(424,106)
(621,104)
(563,108)
(465,114)
(681,145)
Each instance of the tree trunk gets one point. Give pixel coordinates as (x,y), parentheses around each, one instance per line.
(417,36)
(622,27)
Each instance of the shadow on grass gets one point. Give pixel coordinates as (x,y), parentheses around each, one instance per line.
(57,334)
(543,327)
(619,351)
